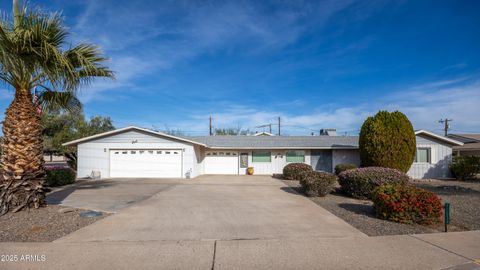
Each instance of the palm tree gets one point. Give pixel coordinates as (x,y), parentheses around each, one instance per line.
(33,55)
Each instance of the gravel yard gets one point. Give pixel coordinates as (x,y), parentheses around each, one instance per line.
(464,198)
(42,225)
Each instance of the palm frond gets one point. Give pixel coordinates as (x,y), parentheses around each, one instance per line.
(51,100)
(31,54)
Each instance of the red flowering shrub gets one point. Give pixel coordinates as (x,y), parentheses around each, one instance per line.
(293,171)
(406,204)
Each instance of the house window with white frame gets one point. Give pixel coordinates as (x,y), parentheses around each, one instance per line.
(423,155)
(296,156)
(261,156)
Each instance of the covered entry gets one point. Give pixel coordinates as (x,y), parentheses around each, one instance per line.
(146,163)
(221,162)
(321,160)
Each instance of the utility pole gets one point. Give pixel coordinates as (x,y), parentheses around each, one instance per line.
(270,128)
(279,126)
(210,125)
(446,126)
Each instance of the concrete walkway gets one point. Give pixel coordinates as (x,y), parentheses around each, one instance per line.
(390,252)
(217,222)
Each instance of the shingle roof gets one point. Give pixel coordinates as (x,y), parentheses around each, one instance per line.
(468,146)
(278,142)
(470,141)
(466,138)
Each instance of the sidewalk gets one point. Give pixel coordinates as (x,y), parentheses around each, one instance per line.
(456,250)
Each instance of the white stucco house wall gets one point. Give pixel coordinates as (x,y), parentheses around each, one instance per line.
(142,153)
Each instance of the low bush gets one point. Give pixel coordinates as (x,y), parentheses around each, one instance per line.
(359,183)
(343,167)
(317,183)
(59,176)
(465,167)
(406,204)
(293,171)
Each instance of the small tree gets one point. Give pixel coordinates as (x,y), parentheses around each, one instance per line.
(64,126)
(231,131)
(387,140)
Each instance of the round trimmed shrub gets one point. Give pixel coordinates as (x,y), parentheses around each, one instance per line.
(387,140)
(59,176)
(359,183)
(317,183)
(465,167)
(406,204)
(343,167)
(293,171)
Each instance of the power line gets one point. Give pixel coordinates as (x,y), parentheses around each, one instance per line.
(465,131)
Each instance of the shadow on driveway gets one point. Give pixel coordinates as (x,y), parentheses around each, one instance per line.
(106,195)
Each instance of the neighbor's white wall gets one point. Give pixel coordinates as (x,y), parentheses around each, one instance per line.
(95,155)
(441,157)
(199,157)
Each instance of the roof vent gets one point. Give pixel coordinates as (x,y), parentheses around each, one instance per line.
(328,132)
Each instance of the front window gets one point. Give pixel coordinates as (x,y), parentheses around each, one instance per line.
(261,156)
(296,156)
(423,155)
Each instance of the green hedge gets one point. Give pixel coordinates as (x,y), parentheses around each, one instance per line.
(293,171)
(60,176)
(359,183)
(465,167)
(343,167)
(387,140)
(318,183)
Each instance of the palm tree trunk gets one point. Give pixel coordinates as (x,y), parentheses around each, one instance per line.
(22,159)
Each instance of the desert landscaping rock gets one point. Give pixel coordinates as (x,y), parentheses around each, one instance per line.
(464,198)
(66,210)
(42,225)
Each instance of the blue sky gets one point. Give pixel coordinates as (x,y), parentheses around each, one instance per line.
(316,64)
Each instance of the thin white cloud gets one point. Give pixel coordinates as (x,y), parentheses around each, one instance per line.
(127,69)
(424,106)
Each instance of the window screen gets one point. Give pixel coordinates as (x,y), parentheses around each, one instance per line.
(423,155)
(261,156)
(296,156)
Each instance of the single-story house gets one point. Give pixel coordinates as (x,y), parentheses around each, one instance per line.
(470,147)
(139,152)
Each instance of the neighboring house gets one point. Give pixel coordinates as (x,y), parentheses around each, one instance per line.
(138,152)
(52,158)
(263,133)
(470,147)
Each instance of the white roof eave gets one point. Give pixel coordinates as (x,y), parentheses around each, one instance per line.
(125,129)
(438,137)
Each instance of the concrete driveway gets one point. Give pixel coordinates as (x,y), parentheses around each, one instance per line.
(228,222)
(209,208)
(108,195)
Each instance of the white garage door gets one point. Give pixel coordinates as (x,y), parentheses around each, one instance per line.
(221,162)
(158,163)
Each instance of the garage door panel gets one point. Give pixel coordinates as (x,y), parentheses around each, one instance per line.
(146,163)
(221,162)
